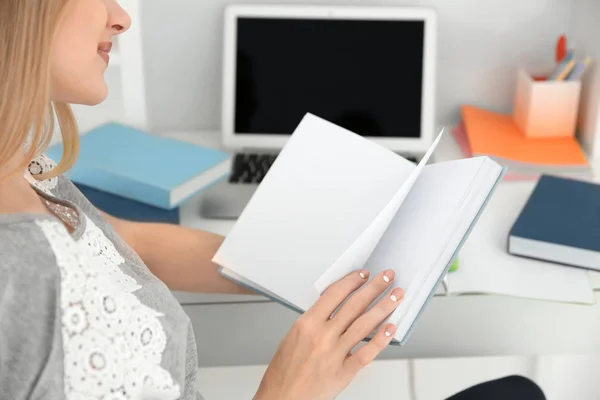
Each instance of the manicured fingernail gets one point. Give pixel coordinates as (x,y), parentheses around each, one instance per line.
(390,330)
(397,294)
(388,276)
(363,274)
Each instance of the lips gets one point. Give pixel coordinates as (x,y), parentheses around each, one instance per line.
(105,47)
(103,50)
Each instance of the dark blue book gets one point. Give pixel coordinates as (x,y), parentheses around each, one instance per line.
(560,223)
(128,209)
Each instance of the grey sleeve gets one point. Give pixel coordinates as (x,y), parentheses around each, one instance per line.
(31,354)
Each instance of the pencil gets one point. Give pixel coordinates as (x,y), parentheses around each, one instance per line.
(565,72)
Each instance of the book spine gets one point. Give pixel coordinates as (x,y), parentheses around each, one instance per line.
(122,186)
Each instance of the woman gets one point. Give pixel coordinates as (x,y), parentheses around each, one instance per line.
(85,306)
(82,315)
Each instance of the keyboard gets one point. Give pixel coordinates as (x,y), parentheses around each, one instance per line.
(250,168)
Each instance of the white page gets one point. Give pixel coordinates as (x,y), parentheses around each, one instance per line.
(356,256)
(244,282)
(424,224)
(487,267)
(322,192)
(465,218)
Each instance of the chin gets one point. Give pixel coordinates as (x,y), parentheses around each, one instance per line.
(94,101)
(87,89)
(92,97)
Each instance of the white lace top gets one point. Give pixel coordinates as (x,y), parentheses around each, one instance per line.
(81,315)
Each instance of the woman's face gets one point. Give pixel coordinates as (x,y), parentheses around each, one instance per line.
(80,52)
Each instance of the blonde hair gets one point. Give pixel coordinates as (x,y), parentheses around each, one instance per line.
(27,115)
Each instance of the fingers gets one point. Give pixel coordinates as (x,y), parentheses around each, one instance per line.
(366,354)
(335,294)
(368,322)
(360,301)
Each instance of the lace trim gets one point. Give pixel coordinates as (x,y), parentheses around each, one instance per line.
(40,165)
(113,343)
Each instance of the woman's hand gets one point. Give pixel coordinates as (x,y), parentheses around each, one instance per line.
(314,361)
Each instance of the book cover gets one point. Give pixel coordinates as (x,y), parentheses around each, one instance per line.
(128,209)
(560,223)
(141,166)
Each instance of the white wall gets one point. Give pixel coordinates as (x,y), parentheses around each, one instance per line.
(480,44)
(585,29)
(585,34)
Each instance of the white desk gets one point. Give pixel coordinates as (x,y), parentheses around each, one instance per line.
(245,330)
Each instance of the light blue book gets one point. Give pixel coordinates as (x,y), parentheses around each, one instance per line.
(137,165)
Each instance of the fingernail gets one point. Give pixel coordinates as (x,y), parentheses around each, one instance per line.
(363,274)
(397,294)
(390,330)
(388,276)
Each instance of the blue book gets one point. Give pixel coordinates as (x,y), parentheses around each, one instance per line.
(140,166)
(127,209)
(560,223)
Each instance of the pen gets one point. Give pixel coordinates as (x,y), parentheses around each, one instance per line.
(579,69)
(562,70)
(561,48)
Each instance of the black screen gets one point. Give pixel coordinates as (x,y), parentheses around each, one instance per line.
(363,75)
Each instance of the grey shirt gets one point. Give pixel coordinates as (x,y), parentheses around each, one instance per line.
(81,316)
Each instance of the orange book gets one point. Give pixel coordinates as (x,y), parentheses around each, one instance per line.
(497,135)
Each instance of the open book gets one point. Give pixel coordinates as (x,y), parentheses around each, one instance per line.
(334,202)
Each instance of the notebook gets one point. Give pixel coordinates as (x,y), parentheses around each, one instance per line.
(497,136)
(560,223)
(459,133)
(334,202)
(141,166)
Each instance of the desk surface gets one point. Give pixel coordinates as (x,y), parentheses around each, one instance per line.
(243,330)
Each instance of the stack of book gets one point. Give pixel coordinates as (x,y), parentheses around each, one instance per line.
(486,133)
(139,176)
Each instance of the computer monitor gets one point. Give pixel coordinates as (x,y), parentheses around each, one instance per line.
(368,69)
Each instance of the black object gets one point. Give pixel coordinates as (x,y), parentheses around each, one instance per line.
(364,75)
(250,168)
(508,388)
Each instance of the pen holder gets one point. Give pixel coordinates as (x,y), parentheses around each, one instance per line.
(546,108)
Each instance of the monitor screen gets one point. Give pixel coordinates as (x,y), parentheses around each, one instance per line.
(364,75)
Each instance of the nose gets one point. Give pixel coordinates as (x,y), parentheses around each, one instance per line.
(119,20)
